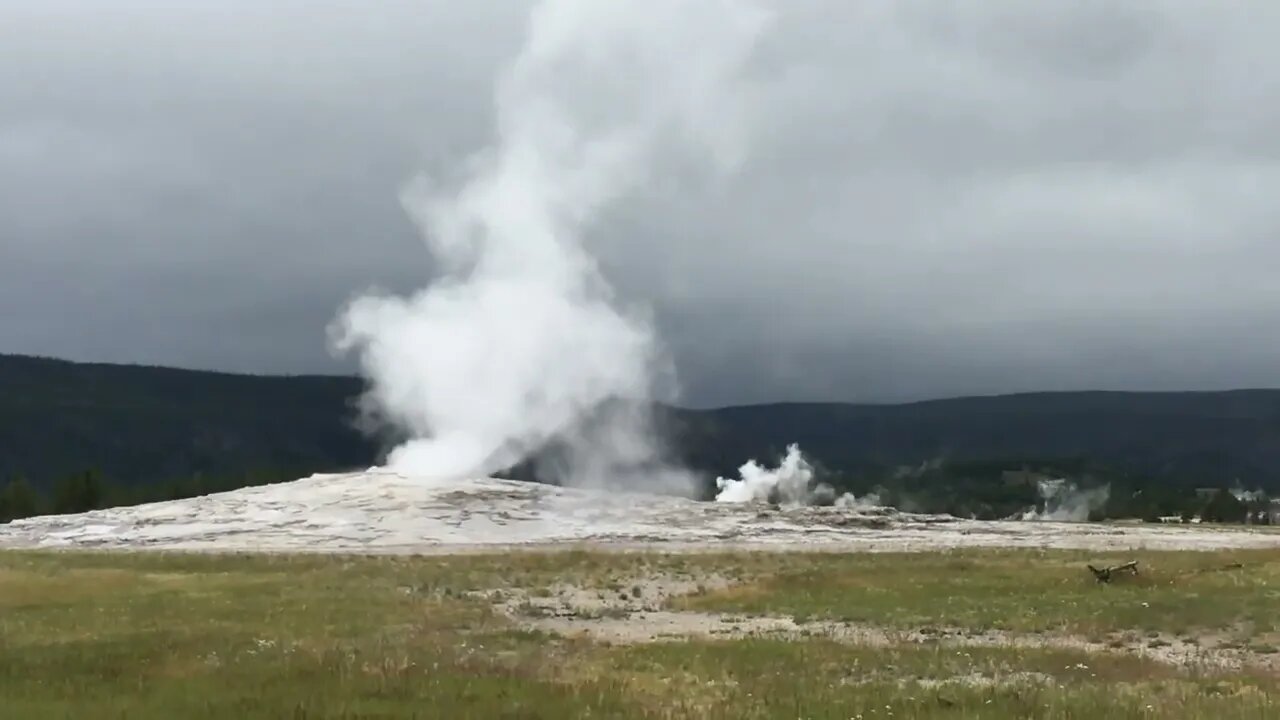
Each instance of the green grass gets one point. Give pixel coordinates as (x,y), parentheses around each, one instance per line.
(821,679)
(1024,591)
(89,635)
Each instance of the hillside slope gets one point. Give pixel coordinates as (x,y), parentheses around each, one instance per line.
(1191,436)
(144,425)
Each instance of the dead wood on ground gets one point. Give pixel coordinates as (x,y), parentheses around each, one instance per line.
(1104,575)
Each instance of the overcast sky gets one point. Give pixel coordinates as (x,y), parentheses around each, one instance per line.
(941,198)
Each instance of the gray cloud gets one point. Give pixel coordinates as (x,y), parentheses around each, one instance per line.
(940,198)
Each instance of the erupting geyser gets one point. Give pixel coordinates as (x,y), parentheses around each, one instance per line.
(521,338)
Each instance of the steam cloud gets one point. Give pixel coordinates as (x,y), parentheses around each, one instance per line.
(521,339)
(1065,502)
(791,483)
(788,484)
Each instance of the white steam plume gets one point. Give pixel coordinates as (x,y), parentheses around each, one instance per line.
(791,483)
(1065,502)
(787,484)
(521,339)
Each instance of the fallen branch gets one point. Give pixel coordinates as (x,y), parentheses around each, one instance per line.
(1103,575)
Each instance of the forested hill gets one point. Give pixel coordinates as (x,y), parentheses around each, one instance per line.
(1213,438)
(143,425)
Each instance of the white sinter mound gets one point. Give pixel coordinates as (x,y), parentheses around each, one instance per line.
(383,511)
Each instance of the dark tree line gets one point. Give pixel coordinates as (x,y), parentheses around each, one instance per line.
(997,489)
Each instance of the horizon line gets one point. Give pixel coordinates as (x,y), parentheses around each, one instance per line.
(697,408)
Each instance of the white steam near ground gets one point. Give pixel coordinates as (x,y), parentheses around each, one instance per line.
(520,339)
(789,484)
(1064,501)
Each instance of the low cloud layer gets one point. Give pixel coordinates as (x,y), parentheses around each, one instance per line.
(984,197)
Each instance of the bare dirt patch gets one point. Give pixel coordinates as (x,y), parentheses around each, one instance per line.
(634,611)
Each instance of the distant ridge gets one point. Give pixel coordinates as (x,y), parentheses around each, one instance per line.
(143,424)
(139,424)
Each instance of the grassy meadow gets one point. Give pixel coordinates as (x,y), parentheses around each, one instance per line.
(170,635)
